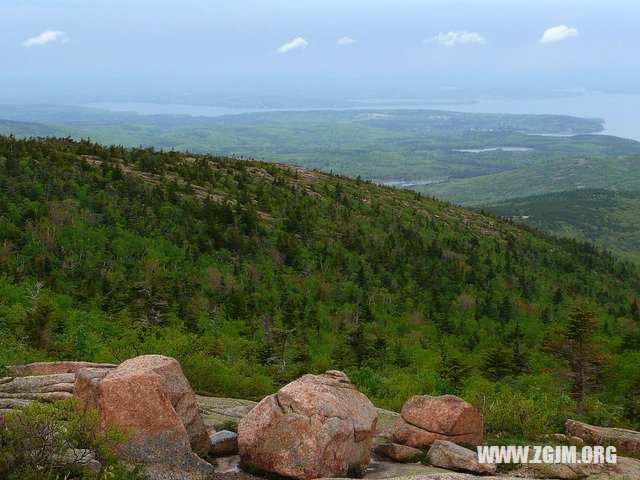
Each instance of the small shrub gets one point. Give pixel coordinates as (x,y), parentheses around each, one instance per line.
(258,472)
(229,425)
(50,441)
(417,458)
(468,446)
(355,470)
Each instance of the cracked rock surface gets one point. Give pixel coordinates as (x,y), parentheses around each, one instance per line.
(426,419)
(313,427)
(150,397)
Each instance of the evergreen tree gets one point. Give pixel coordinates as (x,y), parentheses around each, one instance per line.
(497,362)
(40,323)
(576,345)
(635,310)
(453,369)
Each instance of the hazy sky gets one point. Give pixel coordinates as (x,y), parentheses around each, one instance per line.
(66,46)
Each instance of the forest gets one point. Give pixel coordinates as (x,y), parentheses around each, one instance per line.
(253,273)
(609,218)
(382,145)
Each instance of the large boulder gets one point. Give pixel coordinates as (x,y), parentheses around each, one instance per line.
(313,427)
(627,441)
(150,397)
(448,455)
(426,419)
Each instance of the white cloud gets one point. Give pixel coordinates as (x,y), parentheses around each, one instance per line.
(46,37)
(457,38)
(557,33)
(296,43)
(346,41)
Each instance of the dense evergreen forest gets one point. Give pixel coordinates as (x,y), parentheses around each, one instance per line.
(252,273)
(607,218)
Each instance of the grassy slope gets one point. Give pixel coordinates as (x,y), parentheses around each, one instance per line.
(608,218)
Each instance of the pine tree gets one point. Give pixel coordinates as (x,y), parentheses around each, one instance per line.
(558,296)
(576,345)
(635,310)
(545,316)
(40,323)
(506,311)
(518,352)
(453,370)
(632,402)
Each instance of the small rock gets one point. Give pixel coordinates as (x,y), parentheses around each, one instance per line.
(224,441)
(397,452)
(83,458)
(13,403)
(93,466)
(448,455)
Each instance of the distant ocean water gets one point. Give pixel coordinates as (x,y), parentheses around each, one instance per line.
(621,112)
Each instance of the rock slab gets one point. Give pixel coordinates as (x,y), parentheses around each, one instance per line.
(150,398)
(51,368)
(448,455)
(627,441)
(397,452)
(313,427)
(426,419)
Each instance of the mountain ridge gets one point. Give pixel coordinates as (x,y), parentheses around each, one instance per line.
(251,274)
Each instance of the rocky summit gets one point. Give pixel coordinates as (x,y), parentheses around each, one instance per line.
(316,426)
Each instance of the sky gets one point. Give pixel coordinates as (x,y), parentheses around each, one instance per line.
(107,47)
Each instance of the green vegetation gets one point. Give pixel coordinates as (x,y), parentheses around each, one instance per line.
(251,274)
(607,218)
(385,145)
(543,177)
(356,470)
(503,160)
(54,441)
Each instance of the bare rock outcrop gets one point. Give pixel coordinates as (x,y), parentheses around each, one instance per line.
(313,427)
(51,368)
(18,392)
(426,419)
(151,398)
(627,441)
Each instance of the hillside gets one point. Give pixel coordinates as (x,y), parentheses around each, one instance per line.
(621,172)
(607,218)
(383,145)
(252,273)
